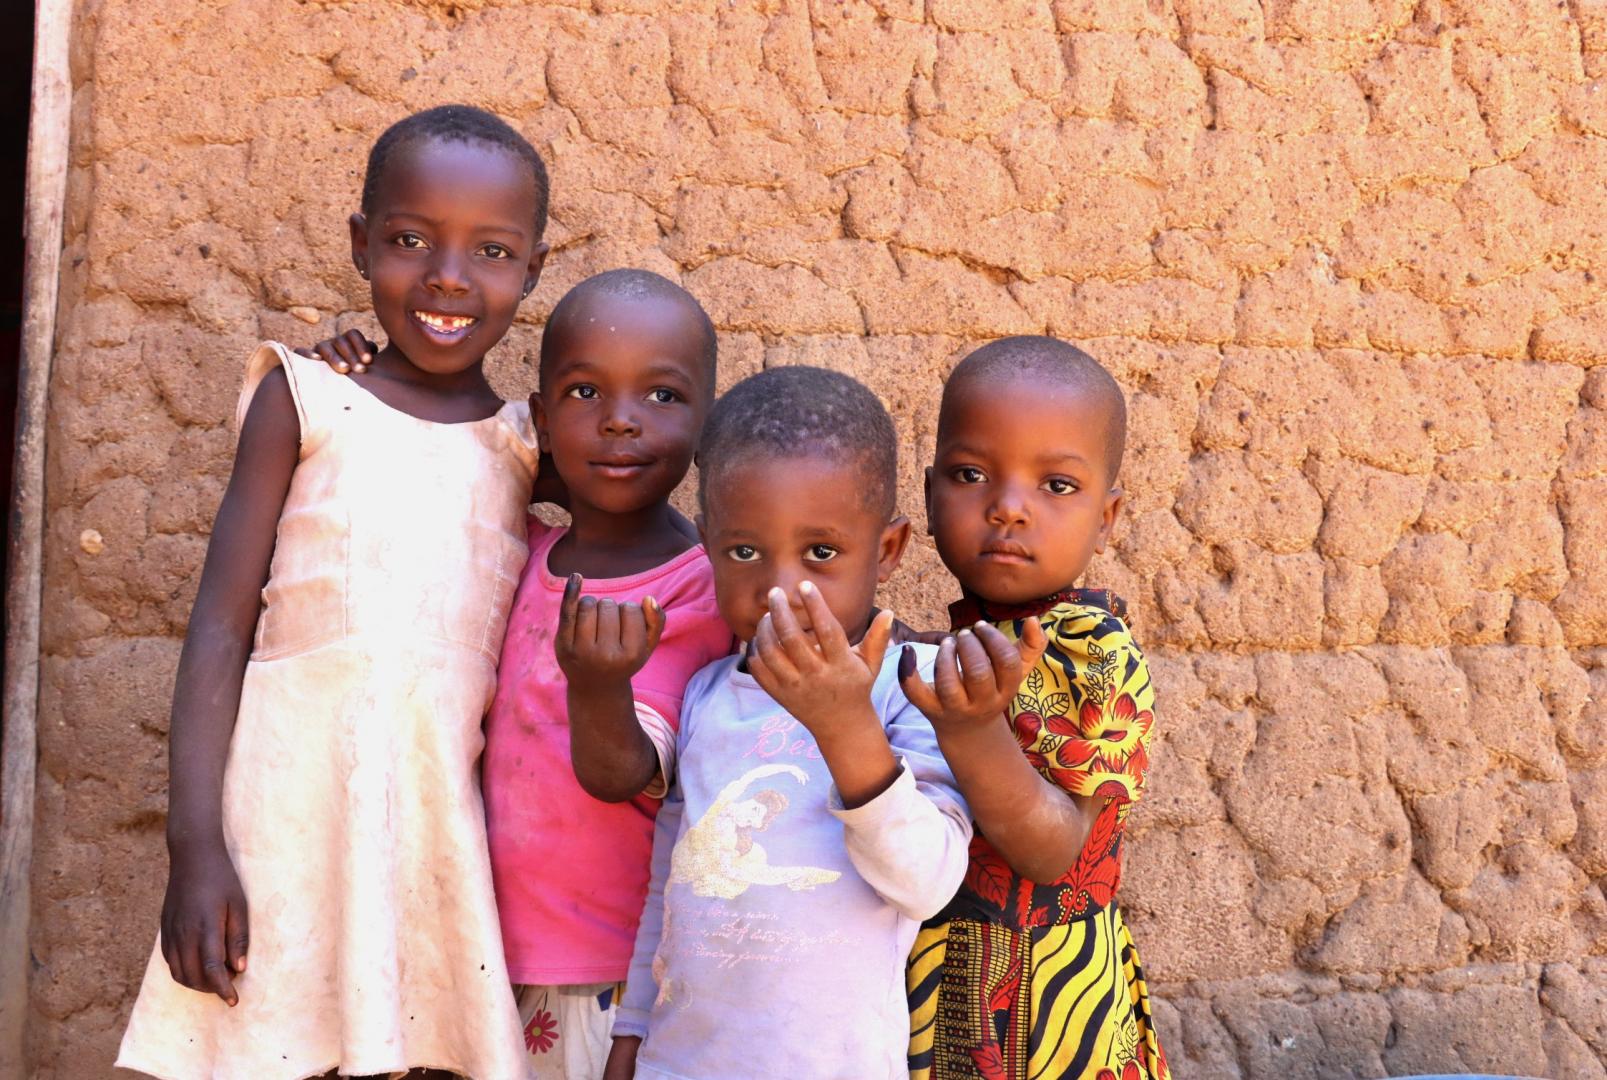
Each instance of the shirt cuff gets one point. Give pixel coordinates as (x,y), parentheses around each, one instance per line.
(898,792)
(662,736)
(630,1022)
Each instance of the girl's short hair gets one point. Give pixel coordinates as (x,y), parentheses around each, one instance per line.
(463,123)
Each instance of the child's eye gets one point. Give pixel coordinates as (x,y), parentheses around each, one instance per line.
(743,553)
(664,396)
(820,553)
(1057,486)
(969,474)
(497,251)
(412,241)
(583,392)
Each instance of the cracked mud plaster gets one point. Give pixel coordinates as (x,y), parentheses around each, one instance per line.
(1344,255)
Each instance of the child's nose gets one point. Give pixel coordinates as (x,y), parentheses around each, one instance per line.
(1008,508)
(447,275)
(621,421)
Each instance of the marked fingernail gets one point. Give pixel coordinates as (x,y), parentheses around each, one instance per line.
(341,367)
(806,587)
(906,662)
(776,593)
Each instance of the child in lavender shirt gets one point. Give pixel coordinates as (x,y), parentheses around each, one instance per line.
(814,823)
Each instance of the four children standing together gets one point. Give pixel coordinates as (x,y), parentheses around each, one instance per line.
(732,824)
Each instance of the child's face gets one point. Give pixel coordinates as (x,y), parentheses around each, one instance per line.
(773,521)
(623,400)
(1020,498)
(450,249)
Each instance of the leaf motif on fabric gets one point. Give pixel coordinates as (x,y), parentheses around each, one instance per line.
(989,1061)
(989,877)
(1035,682)
(1056,704)
(1003,994)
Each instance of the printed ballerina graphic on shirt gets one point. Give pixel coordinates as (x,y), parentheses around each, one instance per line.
(719,856)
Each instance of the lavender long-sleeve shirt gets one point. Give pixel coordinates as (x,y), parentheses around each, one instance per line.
(777,923)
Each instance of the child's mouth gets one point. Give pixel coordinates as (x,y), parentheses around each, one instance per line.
(621,468)
(446,329)
(1008,552)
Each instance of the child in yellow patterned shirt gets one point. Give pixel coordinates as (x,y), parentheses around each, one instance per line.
(1030,972)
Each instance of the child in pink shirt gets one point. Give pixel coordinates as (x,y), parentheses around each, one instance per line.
(582,729)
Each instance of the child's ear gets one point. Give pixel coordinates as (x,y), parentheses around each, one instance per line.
(926,494)
(895,538)
(1112,509)
(538,414)
(538,259)
(358,224)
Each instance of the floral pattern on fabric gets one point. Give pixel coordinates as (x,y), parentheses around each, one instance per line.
(1024,980)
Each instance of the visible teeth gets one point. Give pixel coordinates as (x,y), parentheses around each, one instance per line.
(443,322)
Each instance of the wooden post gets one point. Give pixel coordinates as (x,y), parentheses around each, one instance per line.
(48,133)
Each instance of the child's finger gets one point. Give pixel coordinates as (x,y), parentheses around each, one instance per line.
(918,691)
(330,355)
(1032,643)
(873,646)
(828,631)
(567,610)
(653,617)
(1003,657)
(976,671)
(946,678)
(356,349)
(236,936)
(789,635)
(586,622)
(768,648)
(214,966)
(608,624)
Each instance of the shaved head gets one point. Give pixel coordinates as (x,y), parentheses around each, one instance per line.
(1051,363)
(628,285)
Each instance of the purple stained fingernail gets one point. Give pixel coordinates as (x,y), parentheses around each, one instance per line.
(906,662)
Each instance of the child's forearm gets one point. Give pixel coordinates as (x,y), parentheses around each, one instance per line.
(1037,828)
(206,700)
(860,759)
(613,758)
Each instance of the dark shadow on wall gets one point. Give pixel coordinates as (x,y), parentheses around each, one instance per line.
(16,71)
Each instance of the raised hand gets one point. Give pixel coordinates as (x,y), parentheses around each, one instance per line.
(975,676)
(348,353)
(823,681)
(204,927)
(826,685)
(603,640)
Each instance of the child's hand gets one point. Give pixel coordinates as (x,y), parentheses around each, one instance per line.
(622,1058)
(825,683)
(347,353)
(976,675)
(601,641)
(204,932)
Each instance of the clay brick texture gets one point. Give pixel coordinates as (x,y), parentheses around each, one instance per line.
(1342,254)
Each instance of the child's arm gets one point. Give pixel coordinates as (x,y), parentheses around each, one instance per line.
(1038,828)
(905,828)
(204,931)
(641,984)
(600,645)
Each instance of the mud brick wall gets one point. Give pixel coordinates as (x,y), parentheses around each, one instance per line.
(1343,254)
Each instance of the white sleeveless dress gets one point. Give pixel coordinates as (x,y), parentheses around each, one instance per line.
(351,799)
